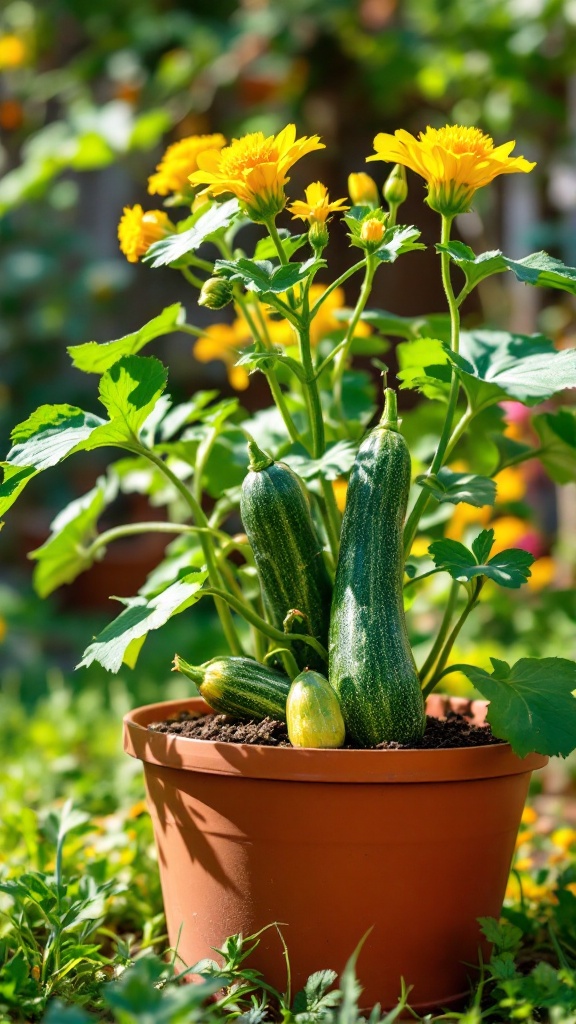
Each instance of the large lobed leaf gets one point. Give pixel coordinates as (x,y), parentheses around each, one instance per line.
(537,269)
(93,357)
(120,641)
(204,226)
(264,276)
(449,486)
(129,390)
(532,703)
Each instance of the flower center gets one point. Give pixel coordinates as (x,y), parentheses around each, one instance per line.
(246,153)
(458,140)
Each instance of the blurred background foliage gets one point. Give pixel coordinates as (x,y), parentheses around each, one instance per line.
(90,95)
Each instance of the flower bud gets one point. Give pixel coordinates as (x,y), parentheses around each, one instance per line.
(215,293)
(318,235)
(395,189)
(372,231)
(363,190)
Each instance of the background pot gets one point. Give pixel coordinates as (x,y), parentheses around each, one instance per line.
(415,844)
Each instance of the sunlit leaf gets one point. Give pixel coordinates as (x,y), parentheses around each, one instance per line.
(139,617)
(204,225)
(532,703)
(93,357)
(450,486)
(510,568)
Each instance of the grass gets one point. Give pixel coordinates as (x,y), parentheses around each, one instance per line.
(81,927)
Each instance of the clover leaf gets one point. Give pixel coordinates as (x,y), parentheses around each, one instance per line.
(510,568)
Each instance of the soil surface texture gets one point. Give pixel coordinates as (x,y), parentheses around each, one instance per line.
(453,731)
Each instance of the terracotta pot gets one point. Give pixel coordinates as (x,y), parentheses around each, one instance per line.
(414,844)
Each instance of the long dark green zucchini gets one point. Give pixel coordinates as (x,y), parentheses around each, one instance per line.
(239,686)
(371,664)
(287,551)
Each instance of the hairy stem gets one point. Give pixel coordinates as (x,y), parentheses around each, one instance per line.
(440,454)
(254,619)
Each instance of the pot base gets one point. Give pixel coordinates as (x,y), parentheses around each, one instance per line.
(414,845)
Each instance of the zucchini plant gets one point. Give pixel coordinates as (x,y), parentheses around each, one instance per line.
(319,595)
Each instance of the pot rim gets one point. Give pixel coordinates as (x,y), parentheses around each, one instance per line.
(290,764)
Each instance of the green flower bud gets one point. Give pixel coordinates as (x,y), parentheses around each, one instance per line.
(396,187)
(215,293)
(318,235)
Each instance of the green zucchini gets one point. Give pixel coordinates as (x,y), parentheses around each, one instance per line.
(239,686)
(371,664)
(287,550)
(313,713)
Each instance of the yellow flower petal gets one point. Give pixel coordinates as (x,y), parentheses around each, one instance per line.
(253,168)
(454,161)
(179,161)
(137,230)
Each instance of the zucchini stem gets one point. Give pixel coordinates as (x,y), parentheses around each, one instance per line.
(342,357)
(430,662)
(470,604)
(442,449)
(254,619)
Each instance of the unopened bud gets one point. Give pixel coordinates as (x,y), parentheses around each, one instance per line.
(215,293)
(363,190)
(396,187)
(372,231)
(318,235)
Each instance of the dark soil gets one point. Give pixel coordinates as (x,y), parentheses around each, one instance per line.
(452,731)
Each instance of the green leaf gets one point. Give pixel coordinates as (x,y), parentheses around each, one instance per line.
(337,461)
(449,486)
(494,365)
(14,481)
(532,703)
(63,556)
(204,225)
(538,269)
(129,391)
(139,617)
(557,433)
(510,568)
(437,325)
(266,250)
(264,276)
(413,359)
(50,434)
(93,357)
(508,449)
(397,241)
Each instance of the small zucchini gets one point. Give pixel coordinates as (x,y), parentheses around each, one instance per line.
(239,687)
(287,550)
(313,713)
(371,664)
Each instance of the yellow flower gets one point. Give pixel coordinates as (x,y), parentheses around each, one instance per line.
(317,206)
(372,231)
(340,488)
(543,572)
(138,230)
(179,161)
(363,190)
(325,321)
(12,52)
(529,816)
(454,161)
(253,169)
(511,485)
(222,341)
(565,838)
